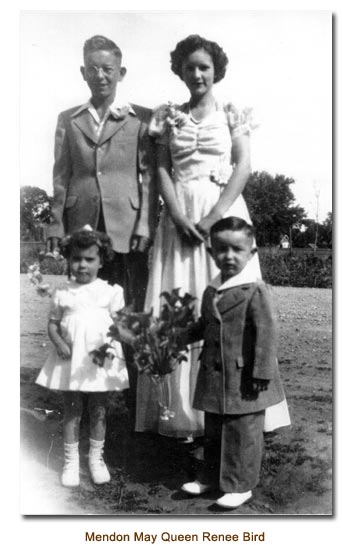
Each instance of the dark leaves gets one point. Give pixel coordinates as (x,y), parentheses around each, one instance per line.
(100,354)
(155,340)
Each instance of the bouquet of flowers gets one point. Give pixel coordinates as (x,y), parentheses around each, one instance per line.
(156,341)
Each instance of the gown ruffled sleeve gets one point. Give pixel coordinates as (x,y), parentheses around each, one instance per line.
(240,121)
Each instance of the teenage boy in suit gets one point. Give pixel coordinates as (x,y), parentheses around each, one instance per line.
(238,376)
(104,173)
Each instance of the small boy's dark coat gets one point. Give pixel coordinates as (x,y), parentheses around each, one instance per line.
(239,332)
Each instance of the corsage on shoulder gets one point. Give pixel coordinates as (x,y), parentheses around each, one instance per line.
(167,115)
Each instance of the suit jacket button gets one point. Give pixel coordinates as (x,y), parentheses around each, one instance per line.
(217,365)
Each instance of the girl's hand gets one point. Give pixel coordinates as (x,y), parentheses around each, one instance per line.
(206,224)
(187,230)
(63,349)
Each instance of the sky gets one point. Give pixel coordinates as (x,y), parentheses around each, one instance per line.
(280,63)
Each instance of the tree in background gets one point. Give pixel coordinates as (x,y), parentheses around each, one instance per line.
(271,205)
(35,210)
(327,231)
(302,238)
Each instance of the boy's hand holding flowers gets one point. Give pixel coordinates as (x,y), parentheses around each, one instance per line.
(260,385)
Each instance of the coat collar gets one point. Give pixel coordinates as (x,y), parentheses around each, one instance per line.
(231,298)
(117,118)
(119,110)
(246,276)
(227,298)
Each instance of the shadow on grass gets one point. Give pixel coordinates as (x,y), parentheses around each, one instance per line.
(147,470)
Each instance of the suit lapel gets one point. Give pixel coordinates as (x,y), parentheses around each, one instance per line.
(84,123)
(210,302)
(111,127)
(230,299)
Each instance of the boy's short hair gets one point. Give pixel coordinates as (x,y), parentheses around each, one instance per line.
(101,43)
(232,223)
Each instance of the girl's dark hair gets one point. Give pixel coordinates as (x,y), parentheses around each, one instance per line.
(84,239)
(192,43)
(232,223)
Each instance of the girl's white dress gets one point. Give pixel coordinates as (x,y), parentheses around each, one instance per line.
(201,163)
(85,313)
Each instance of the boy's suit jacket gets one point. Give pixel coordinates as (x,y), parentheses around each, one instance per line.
(239,344)
(115,170)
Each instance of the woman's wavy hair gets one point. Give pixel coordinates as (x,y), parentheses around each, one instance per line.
(192,43)
(84,239)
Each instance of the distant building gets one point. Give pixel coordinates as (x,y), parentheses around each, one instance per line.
(285,241)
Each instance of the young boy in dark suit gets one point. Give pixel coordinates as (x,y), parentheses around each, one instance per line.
(238,377)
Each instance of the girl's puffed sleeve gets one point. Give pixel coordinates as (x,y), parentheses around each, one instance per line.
(158,127)
(117,301)
(55,311)
(240,121)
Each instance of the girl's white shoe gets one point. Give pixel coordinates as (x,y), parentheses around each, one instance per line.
(97,467)
(230,501)
(195,488)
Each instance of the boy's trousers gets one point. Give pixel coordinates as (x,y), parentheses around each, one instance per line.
(233,451)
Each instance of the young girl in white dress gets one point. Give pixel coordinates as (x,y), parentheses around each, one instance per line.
(203,162)
(79,318)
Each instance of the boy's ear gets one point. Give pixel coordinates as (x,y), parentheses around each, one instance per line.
(123,72)
(254,250)
(82,70)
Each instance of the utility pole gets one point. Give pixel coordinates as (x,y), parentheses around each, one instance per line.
(317,192)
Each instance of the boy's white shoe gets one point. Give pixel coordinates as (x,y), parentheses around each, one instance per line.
(230,501)
(195,488)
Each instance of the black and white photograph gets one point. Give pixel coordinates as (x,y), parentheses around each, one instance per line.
(176,263)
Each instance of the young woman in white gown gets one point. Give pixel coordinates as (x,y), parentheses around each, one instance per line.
(203,166)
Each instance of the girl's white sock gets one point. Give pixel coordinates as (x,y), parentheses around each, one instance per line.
(70,474)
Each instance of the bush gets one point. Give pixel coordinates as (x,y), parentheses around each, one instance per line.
(35,253)
(297,270)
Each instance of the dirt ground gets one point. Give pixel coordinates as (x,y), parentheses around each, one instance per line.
(147,471)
